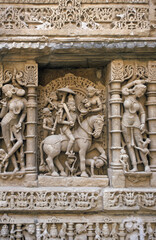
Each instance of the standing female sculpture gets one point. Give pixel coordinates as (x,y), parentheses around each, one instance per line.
(13,114)
(132,125)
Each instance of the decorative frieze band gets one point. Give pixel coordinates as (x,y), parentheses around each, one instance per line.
(94,17)
(78,227)
(43,200)
(83,1)
(125,199)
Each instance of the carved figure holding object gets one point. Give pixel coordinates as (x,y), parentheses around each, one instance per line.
(80,232)
(47,122)
(29,232)
(69,119)
(13,115)
(132,231)
(54,144)
(133,122)
(124,160)
(92,103)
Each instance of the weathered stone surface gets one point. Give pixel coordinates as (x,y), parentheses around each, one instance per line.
(78,120)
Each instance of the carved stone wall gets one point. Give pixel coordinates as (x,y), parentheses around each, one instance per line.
(78,120)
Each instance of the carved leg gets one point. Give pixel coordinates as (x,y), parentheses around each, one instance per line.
(82,154)
(60,167)
(6,136)
(51,166)
(131,152)
(138,139)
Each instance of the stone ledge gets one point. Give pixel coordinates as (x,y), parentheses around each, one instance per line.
(48,181)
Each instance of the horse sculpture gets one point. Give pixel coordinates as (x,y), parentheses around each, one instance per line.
(53,145)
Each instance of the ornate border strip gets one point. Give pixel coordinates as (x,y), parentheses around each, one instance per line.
(39,199)
(124,199)
(83,1)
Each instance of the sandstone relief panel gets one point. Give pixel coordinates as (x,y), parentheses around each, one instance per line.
(130,17)
(84,139)
(16,122)
(57,227)
(72,115)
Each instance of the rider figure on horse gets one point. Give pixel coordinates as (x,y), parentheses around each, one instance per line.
(69,120)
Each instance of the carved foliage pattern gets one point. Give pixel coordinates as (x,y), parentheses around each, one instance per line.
(48,200)
(74,14)
(57,228)
(129,200)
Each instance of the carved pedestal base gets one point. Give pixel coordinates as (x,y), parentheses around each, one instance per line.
(48,181)
(117,178)
(138,179)
(20,178)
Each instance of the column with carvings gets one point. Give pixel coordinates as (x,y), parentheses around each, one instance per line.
(116,176)
(31,71)
(151,108)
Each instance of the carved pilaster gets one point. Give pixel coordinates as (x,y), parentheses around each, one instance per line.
(115,114)
(151,107)
(31,70)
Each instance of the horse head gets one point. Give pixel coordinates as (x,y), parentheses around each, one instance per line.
(98,123)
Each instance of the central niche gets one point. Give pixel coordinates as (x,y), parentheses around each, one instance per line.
(72,129)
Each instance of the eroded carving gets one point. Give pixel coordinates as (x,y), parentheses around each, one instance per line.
(46,200)
(13,114)
(73,122)
(126,199)
(75,15)
(133,127)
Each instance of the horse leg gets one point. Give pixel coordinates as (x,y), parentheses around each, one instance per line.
(51,166)
(82,155)
(60,167)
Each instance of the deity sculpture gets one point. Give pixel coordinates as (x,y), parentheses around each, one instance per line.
(132,126)
(68,120)
(92,103)
(53,232)
(4,233)
(29,232)
(13,114)
(124,160)
(80,232)
(47,122)
(132,231)
(105,232)
(97,232)
(45,234)
(63,231)
(73,135)
(149,231)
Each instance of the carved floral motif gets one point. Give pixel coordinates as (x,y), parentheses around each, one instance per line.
(73,14)
(48,200)
(129,200)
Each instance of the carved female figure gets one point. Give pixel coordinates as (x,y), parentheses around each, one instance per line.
(13,114)
(133,122)
(93,102)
